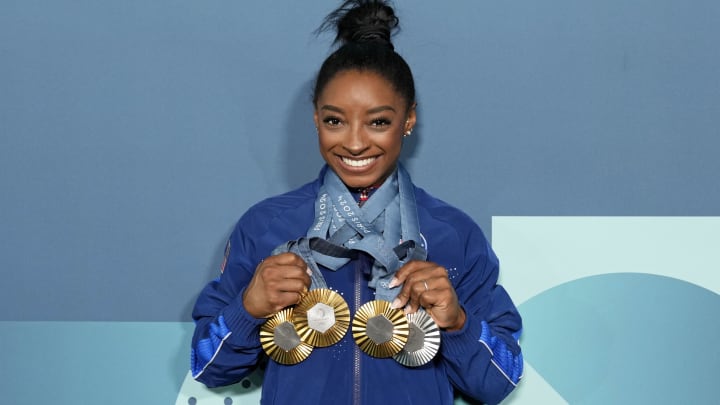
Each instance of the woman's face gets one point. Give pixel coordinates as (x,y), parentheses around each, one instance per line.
(361,120)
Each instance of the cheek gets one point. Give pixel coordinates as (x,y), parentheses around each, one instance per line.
(324,142)
(394,143)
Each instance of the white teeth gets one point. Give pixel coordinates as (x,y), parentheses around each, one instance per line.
(357,163)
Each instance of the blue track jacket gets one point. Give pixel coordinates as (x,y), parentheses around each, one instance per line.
(482,361)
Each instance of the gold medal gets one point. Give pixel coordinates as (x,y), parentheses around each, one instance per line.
(280,339)
(379,330)
(423,341)
(322,317)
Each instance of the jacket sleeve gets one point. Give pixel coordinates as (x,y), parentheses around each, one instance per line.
(226,344)
(483,359)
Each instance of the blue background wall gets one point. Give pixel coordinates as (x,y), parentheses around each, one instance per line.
(133,134)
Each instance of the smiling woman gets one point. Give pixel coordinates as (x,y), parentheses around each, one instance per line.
(361,121)
(371,247)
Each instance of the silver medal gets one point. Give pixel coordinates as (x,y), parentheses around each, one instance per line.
(423,340)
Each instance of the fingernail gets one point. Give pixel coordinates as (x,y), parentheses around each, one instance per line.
(308,271)
(407,309)
(396,303)
(393,283)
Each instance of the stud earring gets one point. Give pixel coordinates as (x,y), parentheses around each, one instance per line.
(408,133)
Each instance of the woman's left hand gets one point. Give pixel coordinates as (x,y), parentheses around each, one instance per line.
(426,284)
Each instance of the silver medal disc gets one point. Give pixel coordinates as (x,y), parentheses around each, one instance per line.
(423,341)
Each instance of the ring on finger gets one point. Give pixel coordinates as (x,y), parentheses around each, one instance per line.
(426,286)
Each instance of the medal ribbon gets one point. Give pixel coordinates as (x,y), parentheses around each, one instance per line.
(385,227)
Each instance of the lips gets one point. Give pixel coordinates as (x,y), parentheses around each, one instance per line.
(357,163)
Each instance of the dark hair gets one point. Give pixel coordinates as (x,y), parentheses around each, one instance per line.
(364,30)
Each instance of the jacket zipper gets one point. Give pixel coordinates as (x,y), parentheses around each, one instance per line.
(356,353)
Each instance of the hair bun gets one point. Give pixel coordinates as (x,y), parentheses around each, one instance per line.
(362,21)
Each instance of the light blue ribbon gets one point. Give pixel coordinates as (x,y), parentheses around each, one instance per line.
(385,227)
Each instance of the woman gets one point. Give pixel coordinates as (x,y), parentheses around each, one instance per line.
(396,243)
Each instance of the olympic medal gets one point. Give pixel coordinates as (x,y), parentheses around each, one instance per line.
(379,330)
(423,341)
(322,317)
(280,340)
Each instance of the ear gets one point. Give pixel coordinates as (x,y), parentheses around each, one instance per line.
(315,118)
(411,118)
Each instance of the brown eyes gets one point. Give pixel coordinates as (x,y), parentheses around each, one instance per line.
(375,123)
(380,122)
(332,121)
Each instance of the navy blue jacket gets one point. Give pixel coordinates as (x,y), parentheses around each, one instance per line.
(482,360)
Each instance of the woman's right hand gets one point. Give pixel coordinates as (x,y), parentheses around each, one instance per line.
(279,281)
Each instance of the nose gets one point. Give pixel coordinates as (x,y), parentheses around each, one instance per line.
(356,140)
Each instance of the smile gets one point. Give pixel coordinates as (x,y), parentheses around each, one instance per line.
(357,162)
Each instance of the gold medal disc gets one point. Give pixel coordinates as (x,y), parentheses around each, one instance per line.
(379,330)
(423,342)
(322,317)
(280,339)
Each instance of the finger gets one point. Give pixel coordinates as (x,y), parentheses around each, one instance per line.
(300,296)
(401,299)
(404,276)
(444,312)
(431,291)
(408,275)
(404,272)
(294,273)
(425,284)
(419,289)
(286,299)
(424,301)
(288,259)
(272,272)
(290,285)
(408,296)
(305,278)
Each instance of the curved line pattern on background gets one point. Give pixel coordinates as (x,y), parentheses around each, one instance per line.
(593,283)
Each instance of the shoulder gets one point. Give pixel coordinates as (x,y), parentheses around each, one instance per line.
(269,223)
(287,207)
(435,210)
(456,242)
(289,201)
(453,239)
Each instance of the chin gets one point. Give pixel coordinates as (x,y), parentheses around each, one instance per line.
(361,181)
(354,182)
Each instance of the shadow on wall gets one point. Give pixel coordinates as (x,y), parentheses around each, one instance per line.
(302,160)
(411,144)
(212,271)
(301,163)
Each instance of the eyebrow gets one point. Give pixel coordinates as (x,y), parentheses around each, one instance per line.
(370,111)
(380,109)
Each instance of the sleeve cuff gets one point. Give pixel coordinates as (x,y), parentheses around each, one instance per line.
(244,327)
(456,343)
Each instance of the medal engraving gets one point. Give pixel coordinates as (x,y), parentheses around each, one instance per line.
(379,330)
(322,317)
(423,341)
(281,341)
(416,339)
(286,337)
